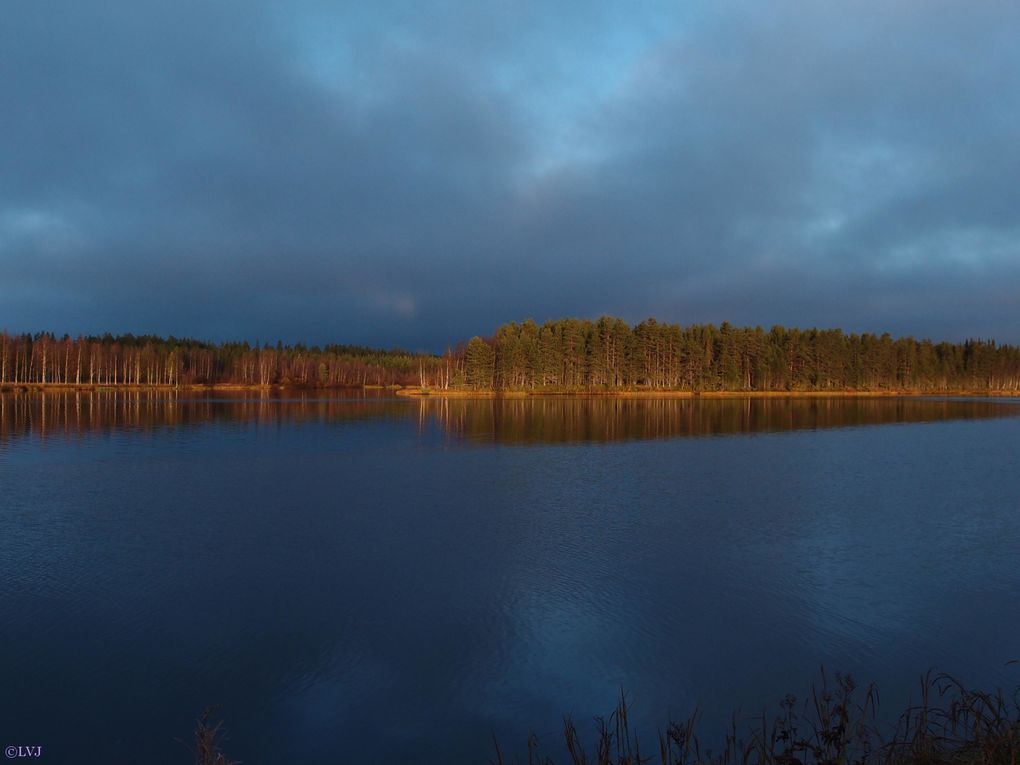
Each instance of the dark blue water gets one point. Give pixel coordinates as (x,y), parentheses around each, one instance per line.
(367,580)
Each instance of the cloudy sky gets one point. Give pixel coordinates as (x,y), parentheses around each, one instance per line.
(417,172)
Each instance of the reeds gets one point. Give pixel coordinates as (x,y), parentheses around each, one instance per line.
(836,724)
(209,737)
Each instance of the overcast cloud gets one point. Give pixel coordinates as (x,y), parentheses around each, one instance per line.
(415,173)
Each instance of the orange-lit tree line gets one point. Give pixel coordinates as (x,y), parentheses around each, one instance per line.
(568,354)
(129,360)
(609,354)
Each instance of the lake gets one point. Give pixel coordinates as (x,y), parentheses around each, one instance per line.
(369,579)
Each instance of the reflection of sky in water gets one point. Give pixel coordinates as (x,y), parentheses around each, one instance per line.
(356,577)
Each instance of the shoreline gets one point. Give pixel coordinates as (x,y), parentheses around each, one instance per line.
(419,392)
(192,388)
(686,394)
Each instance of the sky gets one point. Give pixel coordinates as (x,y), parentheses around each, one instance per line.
(414,173)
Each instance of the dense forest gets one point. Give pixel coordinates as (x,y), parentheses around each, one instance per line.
(563,355)
(608,353)
(147,360)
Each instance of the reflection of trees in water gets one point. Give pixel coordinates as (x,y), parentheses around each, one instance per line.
(77,413)
(512,420)
(557,420)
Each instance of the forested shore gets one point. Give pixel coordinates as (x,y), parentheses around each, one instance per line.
(568,355)
(149,361)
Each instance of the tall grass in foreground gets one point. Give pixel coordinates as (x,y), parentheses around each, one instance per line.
(836,725)
(209,738)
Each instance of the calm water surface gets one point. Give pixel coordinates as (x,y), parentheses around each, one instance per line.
(373,580)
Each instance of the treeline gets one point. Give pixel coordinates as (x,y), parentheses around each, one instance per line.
(575,354)
(130,360)
(563,355)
